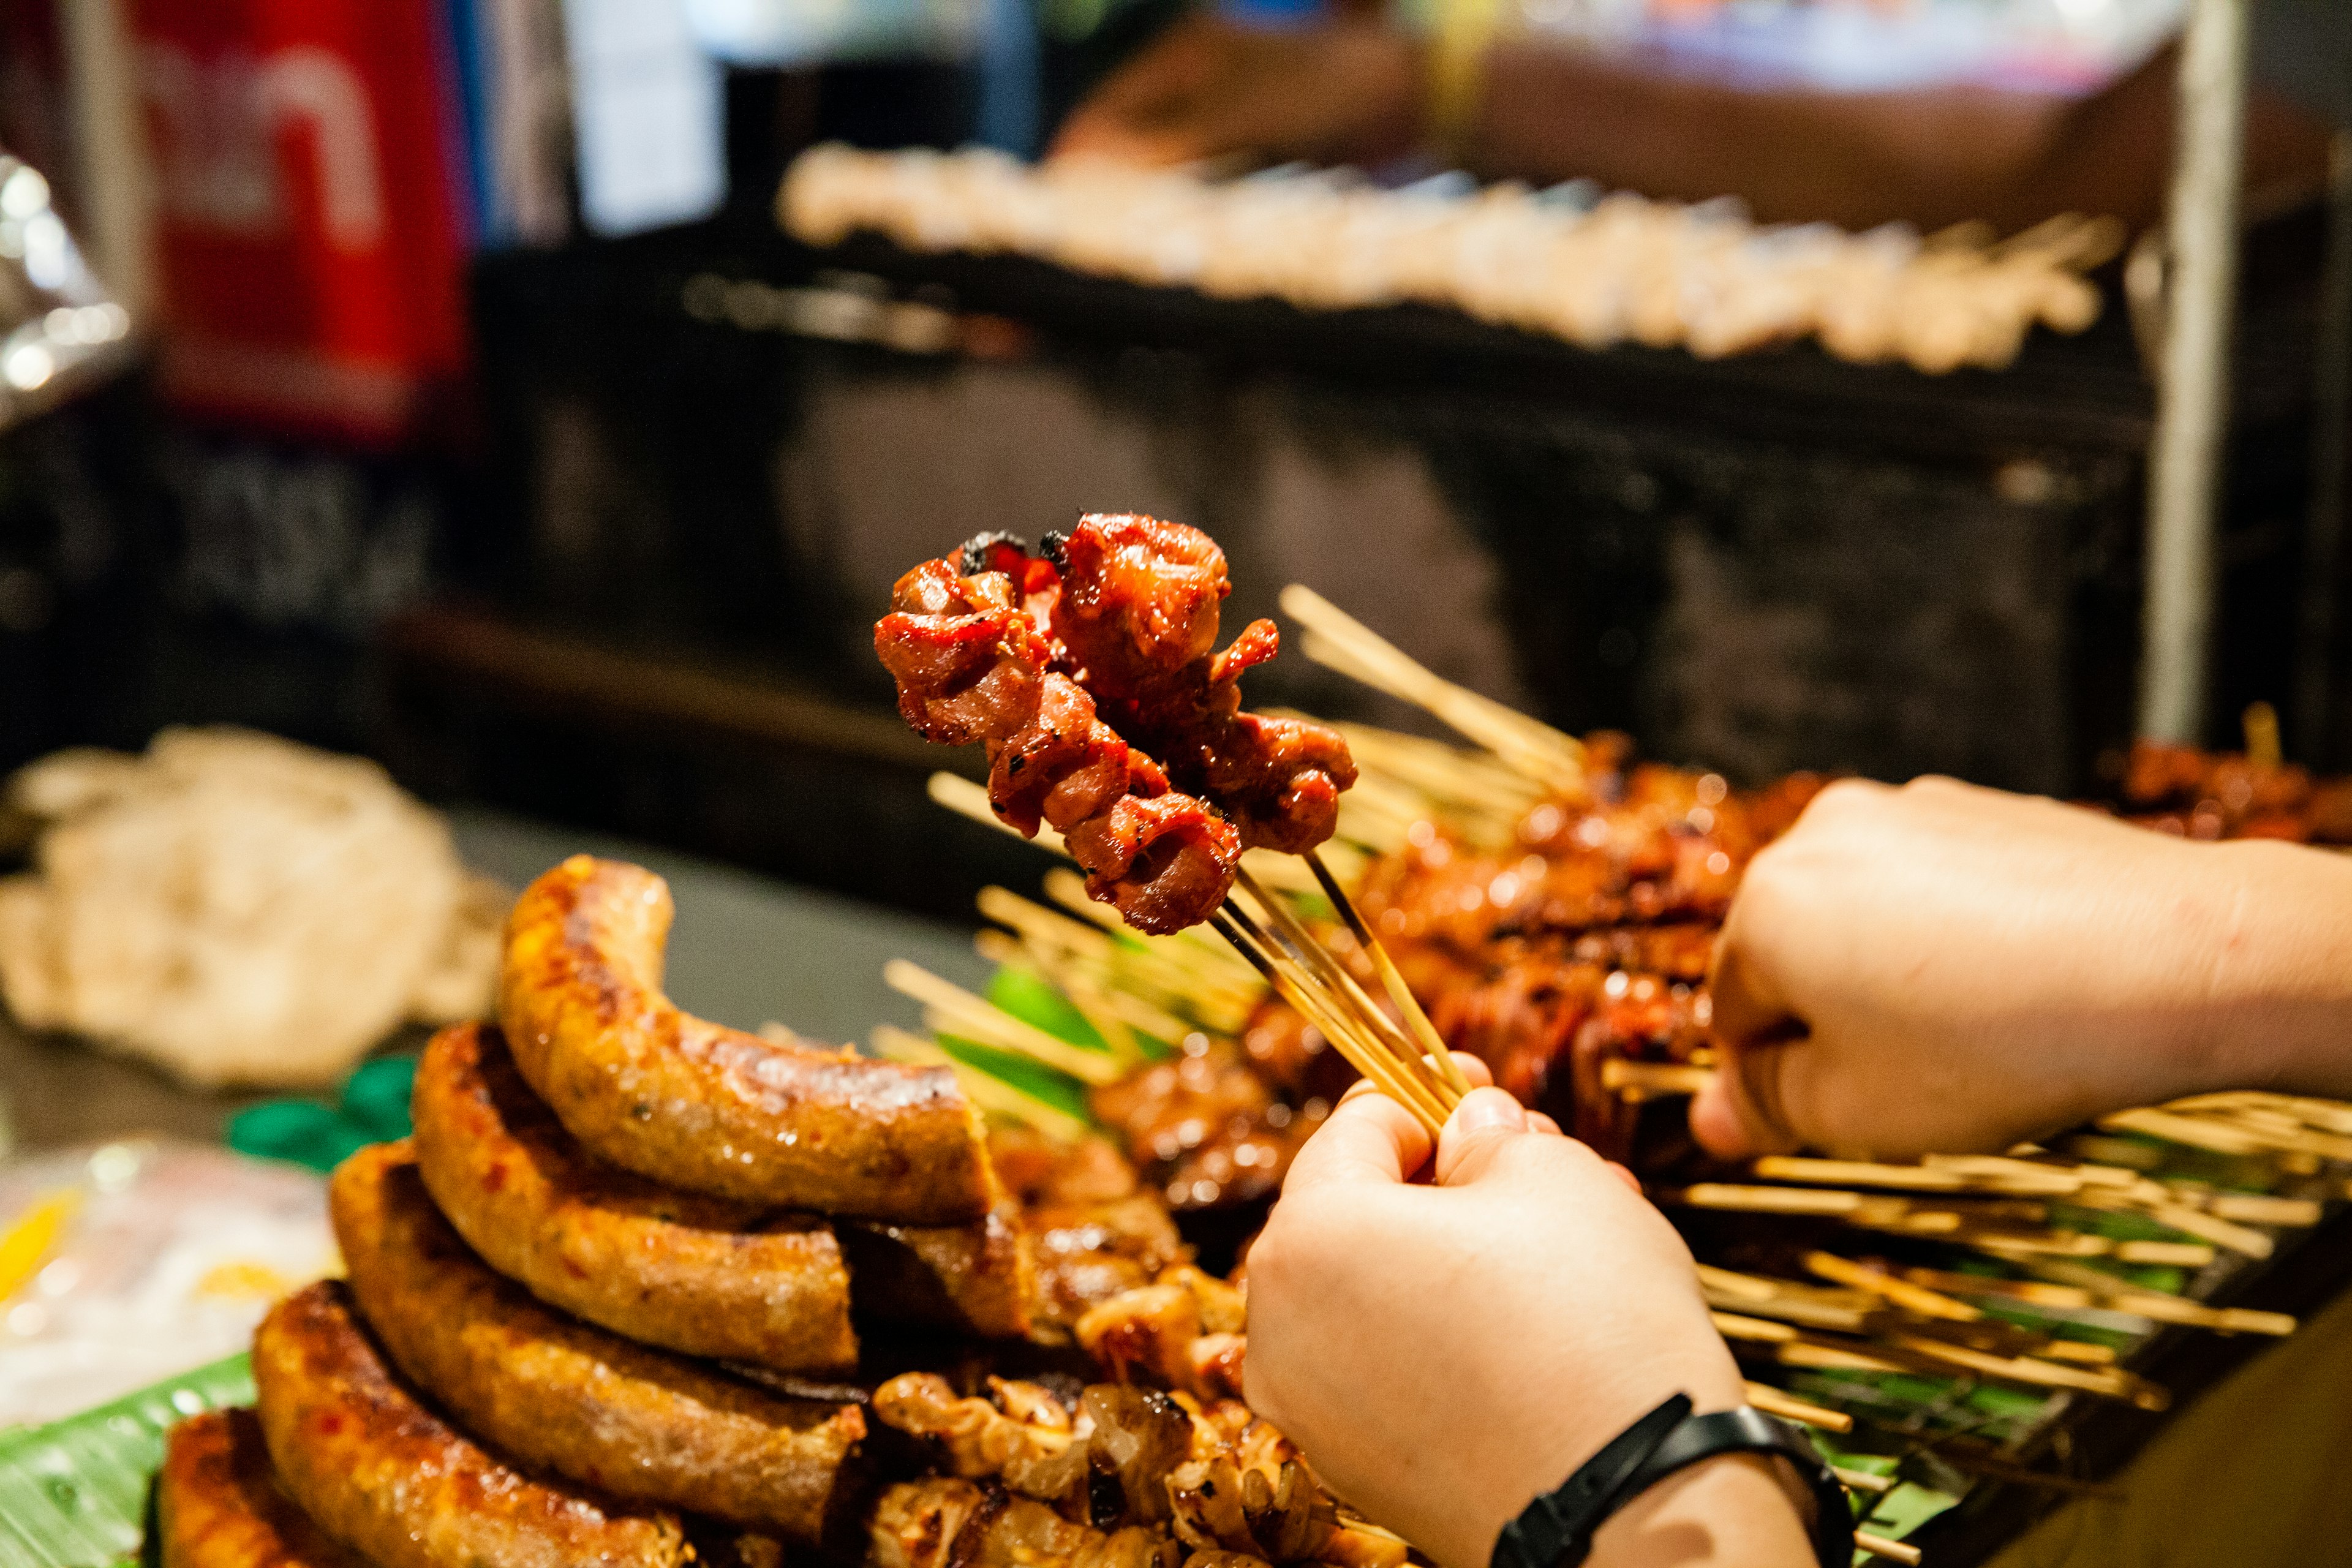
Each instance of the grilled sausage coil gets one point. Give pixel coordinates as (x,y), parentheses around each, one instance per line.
(392,1481)
(705,1277)
(708,1109)
(637,1423)
(217,1504)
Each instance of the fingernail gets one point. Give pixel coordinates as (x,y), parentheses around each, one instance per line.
(1484,1107)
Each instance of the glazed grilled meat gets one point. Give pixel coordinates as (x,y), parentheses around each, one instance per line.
(1209,1127)
(1586,938)
(1091,1231)
(1090,678)
(1139,612)
(972,665)
(2208,795)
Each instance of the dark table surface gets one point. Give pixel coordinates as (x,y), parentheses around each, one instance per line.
(745,950)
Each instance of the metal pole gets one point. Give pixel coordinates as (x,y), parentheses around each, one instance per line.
(2194,401)
(2331,424)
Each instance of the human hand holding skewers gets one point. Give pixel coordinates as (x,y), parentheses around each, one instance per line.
(1941,967)
(1449,1349)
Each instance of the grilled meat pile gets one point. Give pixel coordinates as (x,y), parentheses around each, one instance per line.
(1088,673)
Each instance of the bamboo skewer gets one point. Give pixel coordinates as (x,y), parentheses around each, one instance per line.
(1409,1083)
(1431,1071)
(1880,1546)
(1373,1067)
(1336,640)
(951,1009)
(1902,1293)
(986,1090)
(1631,1079)
(1187,952)
(1789,1407)
(1335,1004)
(1115,1013)
(1393,980)
(1862,1480)
(1093,1005)
(1338,1014)
(1350,998)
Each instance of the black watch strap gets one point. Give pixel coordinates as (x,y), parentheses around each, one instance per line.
(1556,1530)
(1748,1430)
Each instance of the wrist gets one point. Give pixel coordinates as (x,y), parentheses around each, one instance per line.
(1732,1509)
(2278,991)
(1589,1411)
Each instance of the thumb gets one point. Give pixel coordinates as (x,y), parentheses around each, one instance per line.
(1481,1126)
(1742,1111)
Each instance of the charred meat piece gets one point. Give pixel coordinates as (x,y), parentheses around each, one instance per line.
(945,1522)
(1182,1331)
(1090,1251)
(1140,602)
(967,658)
(1089,1232)
(1030,1443)
(1206,1128)
(973,664)
(1139,612)
(1521,1020)
(1164,862)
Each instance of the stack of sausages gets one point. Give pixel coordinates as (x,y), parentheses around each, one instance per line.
(598,1307)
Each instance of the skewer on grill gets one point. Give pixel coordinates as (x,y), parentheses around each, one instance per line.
(1338,641)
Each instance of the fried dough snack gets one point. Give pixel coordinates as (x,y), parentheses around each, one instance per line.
(217,1504)
(390,1481)
(708,1108)
(639,1423)
(706,1276)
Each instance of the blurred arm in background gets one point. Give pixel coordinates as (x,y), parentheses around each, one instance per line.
(1353,91)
